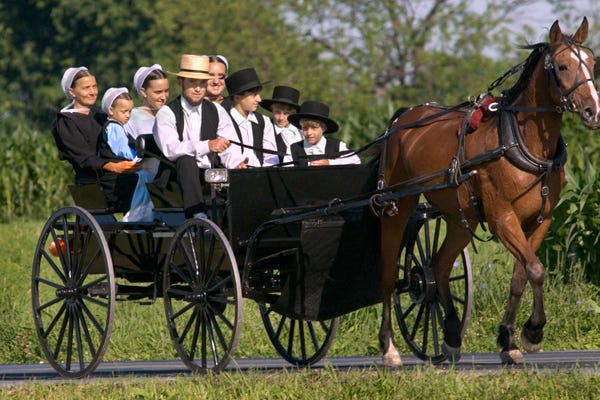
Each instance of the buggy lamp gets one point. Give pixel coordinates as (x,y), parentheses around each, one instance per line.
(216,175)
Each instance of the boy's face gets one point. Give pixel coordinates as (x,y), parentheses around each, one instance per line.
(121,110)
(248,102)
(312,130)
(281,112)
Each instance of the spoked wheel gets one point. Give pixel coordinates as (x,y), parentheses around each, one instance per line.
(301,343)
(419,312)
(73,292)
(202,295)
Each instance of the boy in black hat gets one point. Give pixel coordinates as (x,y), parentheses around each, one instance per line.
(254,131)
(313,119)
(284,103)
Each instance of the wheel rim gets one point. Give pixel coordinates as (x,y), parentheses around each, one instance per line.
(202,296)
(299,342)
(73,292)
(418,310)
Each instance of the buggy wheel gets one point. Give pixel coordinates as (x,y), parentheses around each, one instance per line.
(73,292)
(202,295)
(301,343)
(419,312)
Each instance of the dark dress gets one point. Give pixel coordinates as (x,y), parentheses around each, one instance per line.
(78,138)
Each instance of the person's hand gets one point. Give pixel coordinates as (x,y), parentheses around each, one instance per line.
(243,164)
(218,145)
(315,163)
(122,167)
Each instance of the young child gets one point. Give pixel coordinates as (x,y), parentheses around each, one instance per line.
(313,119)
(117,103)
(283,103)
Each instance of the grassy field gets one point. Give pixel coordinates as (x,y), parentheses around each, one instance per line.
(140,333)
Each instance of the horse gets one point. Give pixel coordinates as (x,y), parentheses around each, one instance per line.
(514,181)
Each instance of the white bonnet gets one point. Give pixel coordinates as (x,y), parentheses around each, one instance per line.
(141,75)
(110,95)
(224,61)
(67,79)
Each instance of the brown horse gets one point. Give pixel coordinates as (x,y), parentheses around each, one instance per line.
(517,178)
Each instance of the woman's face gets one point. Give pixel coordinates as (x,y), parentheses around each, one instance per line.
(217,84)
(84,92)
(156,94)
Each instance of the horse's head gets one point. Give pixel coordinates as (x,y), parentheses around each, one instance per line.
(571,68)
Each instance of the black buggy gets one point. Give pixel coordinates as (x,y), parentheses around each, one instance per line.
(302,242)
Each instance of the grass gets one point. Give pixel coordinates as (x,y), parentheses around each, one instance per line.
(424,383)
(140,333)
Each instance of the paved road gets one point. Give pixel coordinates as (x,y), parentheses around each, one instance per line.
(589,361)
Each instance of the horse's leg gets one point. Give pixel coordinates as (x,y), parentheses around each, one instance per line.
(392,230)
(533,330)
(457,237)
(527,267)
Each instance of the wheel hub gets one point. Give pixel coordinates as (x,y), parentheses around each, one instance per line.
(421,284)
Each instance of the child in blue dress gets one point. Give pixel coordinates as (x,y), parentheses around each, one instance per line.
(117,103)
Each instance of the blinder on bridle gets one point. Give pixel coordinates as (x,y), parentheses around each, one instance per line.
(566,97)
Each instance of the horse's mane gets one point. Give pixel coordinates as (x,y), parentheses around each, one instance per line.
(538,49)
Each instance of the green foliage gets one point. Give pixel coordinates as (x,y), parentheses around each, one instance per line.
(33,181)
(574,237)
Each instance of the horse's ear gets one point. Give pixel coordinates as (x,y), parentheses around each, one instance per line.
(582,32)
(556,34)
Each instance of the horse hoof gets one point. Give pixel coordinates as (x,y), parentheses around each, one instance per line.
(453,353)
(392,360)
(528,345)
(512,357)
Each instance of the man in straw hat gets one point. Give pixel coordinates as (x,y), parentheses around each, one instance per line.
(253,130)
(191,130)
(313,119)
(283,103)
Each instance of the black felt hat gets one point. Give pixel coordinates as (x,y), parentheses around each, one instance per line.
(317,111)
(243,80)
(282,95)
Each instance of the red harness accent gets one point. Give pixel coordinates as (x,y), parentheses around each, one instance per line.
(482,113)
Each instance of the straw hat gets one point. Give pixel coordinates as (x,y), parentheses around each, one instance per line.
(314,110)
(195,67)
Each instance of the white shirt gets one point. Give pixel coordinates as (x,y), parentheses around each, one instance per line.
(141,122)
(290,134)
(167,138)
(319,148)
(234,155)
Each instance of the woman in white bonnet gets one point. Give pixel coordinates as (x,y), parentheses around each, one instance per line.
(152,85)
(77,130)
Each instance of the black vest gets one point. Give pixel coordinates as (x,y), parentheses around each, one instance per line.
(332,148)
(208,125)
(258,132)
(281,146)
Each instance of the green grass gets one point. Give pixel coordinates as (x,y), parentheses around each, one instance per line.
(140,333)
(421,383)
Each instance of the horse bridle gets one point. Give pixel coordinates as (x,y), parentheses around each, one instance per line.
(566,98)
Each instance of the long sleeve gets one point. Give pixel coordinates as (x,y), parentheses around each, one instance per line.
(167,138)
(350,158)
(118,142)
(77,136)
